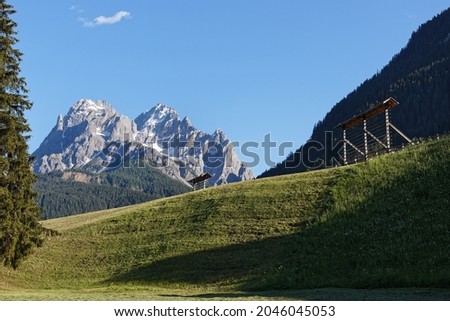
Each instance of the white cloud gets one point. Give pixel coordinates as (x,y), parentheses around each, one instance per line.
(102,20)
(76,8)
(111,20)
(86,23)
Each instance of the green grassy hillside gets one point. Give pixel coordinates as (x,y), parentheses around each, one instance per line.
(381,224)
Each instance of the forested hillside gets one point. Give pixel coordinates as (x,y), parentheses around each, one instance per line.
(418,77)
(66,193)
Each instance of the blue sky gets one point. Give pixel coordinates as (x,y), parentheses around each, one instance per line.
(249,67)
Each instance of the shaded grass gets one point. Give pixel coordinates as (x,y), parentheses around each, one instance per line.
(381,224)
(137,294)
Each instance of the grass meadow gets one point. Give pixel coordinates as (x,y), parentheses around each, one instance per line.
(378,230)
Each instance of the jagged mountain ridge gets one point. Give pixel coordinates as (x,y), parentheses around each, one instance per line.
(85,130)
(94,136)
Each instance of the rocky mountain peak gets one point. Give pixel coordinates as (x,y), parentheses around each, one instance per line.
(159,114)
(186,122)
(88,105)
(60,123)
(90,111)
(219,136)
(79,140)
(161,111)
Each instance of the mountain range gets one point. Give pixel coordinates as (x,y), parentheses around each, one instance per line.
(93,136)
(96,158)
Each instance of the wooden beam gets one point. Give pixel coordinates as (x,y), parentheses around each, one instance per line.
(401,134)
(374,137)
(354,147)
(200,178)
(358,119)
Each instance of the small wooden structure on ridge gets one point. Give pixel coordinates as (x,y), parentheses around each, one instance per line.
(200,181)
(370,138)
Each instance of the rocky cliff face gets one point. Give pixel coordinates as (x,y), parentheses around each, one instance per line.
(95,137)
(81,135)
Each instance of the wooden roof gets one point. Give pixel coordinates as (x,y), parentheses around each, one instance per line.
(200,178)
(355,120)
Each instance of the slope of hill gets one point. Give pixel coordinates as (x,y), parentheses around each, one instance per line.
(418,77)
(379,224)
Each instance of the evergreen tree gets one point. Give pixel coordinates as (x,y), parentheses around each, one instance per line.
(19,215)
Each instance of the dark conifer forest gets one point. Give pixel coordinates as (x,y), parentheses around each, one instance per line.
(75,192)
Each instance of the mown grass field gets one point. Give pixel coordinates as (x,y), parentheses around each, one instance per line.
(378,230)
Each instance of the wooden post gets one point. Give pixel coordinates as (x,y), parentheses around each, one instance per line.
(366,147)
(388,134)
(345,146)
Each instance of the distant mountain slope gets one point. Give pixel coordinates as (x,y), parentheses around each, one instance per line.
(418,77)
(66,193)
(380,224)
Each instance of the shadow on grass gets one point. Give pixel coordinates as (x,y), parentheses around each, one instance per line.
(234,263)
(396,237)
(327,294)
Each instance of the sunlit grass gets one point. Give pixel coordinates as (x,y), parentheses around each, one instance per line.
(380,224)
